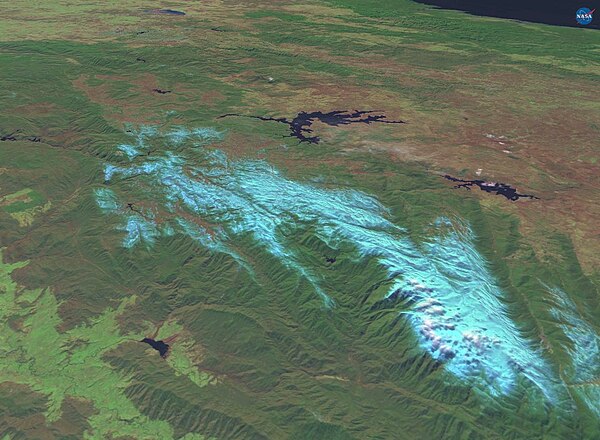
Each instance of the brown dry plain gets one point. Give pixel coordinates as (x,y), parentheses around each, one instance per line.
(544,123)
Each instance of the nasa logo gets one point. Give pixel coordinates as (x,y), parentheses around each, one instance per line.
(584,16)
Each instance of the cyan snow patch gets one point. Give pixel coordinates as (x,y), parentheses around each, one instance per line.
(459,314)
(583,374)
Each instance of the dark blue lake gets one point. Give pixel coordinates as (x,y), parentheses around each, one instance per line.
(165,12)
(159,346)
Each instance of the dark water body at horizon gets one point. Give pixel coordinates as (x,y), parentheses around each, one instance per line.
(554,12)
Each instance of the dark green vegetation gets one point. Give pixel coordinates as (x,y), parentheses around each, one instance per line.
(261,357)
